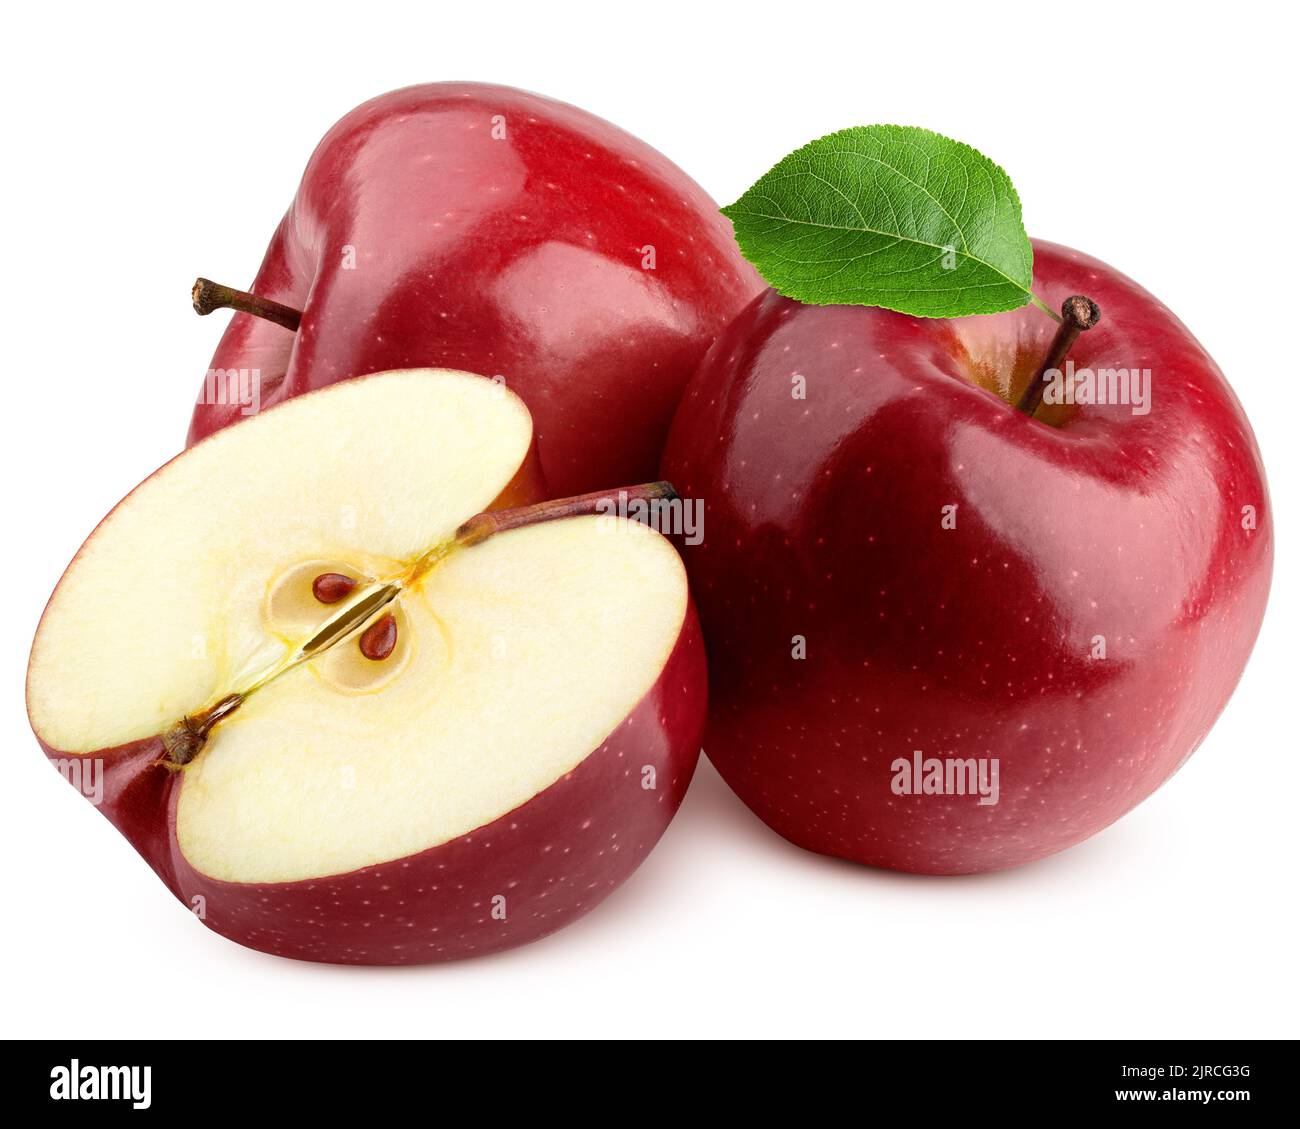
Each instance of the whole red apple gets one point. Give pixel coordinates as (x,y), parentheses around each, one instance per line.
(476,227)
(944,636)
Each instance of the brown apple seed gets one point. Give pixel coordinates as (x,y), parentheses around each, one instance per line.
(379,639)
(331,587)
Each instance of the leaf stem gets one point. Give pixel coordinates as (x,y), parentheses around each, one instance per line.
(1035,300)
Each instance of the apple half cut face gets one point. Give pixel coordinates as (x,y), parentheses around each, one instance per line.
(340,731)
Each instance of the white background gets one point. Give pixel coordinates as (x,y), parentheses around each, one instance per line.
(145,146)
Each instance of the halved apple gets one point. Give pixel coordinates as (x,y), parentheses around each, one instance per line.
(347,720)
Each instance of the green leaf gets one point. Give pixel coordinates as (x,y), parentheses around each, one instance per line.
(893,216)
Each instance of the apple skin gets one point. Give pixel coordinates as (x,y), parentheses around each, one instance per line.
(518,256)
(552,858)
(823,520)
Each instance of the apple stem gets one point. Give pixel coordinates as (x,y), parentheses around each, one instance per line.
(482,526)
(185,740)
(1077,314)
(209,296)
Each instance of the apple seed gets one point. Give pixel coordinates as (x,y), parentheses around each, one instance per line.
(379,639)
(331,587)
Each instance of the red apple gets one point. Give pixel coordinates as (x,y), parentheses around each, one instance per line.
(901,570)
(345,715)
(476,227)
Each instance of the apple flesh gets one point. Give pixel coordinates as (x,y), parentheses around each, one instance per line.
(467,748)
(1082,615)
(471,226)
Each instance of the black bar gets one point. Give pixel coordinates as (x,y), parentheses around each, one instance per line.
(922,1078)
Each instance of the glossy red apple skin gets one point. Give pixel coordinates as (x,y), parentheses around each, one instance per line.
(520,256)
(552,858)
(822,519)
